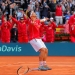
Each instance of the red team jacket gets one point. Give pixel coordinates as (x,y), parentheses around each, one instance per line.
(22,30)
(72,33)
(5,31)
(72,20)
(58,11)
(12,23)
(42,29)
(21,26)
(50,32)
(33,29)
(72,28)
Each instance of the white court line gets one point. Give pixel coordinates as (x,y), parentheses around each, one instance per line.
(36,63)
(47,62)
(69,65)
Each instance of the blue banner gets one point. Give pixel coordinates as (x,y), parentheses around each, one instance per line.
(54,49)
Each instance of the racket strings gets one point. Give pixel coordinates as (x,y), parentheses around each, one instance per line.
(23,70)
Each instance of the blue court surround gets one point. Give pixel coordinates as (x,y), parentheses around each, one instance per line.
(55,49)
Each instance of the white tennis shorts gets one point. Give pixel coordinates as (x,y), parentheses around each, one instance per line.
(37,44)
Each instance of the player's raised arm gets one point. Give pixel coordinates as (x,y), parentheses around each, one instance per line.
(43,20)
(13,19)
(3,17)
(24,15)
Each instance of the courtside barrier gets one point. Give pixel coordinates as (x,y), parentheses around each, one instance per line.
(55,49)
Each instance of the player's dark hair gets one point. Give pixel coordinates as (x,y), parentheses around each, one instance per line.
(28,14)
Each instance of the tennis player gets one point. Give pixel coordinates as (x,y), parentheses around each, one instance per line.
(35,40)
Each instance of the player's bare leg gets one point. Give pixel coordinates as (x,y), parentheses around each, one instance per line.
(46,54)
(42,54)
(41,57)
(45,58)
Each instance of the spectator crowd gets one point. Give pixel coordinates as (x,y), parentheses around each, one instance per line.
(14,18)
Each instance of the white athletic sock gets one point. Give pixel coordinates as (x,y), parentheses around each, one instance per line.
(44,63)
(41,63)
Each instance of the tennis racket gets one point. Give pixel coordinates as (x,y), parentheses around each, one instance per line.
(24,70)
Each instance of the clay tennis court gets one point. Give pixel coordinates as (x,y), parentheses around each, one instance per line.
(61,65)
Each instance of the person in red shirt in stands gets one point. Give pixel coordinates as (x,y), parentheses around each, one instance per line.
(72,27)
(0,28)
(22,30)
(35,40)
(59,14)
(66,26)
(72,19)
(42,31)
(50,29)
(72,33)
(5,31)
(11,22)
